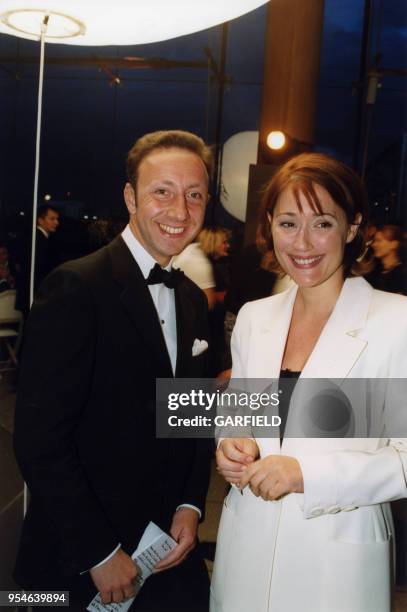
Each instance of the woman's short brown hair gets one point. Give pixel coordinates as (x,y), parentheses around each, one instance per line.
(346,189)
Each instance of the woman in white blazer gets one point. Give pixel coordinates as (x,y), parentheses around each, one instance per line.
(307,525)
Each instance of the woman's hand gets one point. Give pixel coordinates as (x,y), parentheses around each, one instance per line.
(273,477)
(234,455)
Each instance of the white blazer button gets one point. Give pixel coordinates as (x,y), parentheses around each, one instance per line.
(317,511)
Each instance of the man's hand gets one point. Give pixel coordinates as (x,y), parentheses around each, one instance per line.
(183,529)
(273,477)
(233,456)
(115,578)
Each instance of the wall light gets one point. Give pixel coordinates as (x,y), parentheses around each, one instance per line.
(276,140)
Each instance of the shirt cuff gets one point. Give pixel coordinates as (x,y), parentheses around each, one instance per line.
(104,560)
(190,506)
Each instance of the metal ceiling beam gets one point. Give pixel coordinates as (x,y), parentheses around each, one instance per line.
(125,62)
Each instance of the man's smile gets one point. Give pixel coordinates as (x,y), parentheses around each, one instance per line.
(169,229)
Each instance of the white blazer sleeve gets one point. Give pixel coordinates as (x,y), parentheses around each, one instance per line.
(346,479)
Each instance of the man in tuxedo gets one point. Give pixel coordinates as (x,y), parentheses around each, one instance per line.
(47,224)
(101,330)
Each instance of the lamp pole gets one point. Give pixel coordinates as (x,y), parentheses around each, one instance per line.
(37,154)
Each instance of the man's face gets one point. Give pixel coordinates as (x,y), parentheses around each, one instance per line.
(168,208)
(50,222)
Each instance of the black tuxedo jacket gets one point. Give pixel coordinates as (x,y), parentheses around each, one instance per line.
(42,258)
(85,416)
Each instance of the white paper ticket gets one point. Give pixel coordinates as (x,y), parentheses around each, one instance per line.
(154,546)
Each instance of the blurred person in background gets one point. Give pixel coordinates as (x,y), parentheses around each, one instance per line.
(47,224)
(370,235)
(198,268)
(388,250)
(214,242)
(102,231)
(7,276)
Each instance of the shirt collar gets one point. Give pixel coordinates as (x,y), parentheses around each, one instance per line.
(143,258)
(43,231)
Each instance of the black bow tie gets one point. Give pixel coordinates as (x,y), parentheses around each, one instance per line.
(159,275)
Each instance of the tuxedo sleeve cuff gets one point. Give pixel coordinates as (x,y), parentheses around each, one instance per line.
(104,560)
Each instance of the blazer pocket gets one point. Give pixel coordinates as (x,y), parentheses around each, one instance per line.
(230,500)
(366,524)
(224,543)
(356,577)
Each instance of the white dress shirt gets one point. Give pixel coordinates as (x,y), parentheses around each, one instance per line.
(163,297)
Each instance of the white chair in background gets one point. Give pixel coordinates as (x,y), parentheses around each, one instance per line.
(11,327)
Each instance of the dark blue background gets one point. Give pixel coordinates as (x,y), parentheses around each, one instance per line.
(89,124)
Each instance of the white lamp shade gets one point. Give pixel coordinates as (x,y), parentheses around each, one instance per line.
(117,22)
(238,153)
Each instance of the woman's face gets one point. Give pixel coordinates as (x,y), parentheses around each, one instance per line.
(309,245)
(223,250)
(382,246)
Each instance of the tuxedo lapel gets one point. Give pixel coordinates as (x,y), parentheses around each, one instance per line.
(137,302)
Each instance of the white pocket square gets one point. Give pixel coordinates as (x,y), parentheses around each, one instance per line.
(198,347)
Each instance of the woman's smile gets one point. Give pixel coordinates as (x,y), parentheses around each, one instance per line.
(306,262)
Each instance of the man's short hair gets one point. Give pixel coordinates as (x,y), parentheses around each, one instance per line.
(43,210)
(166,139)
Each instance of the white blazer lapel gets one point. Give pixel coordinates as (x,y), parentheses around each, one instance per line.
(341,344)
(268,350)
(272,338)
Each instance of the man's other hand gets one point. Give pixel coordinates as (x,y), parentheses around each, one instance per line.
(183,529)
(115,578)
